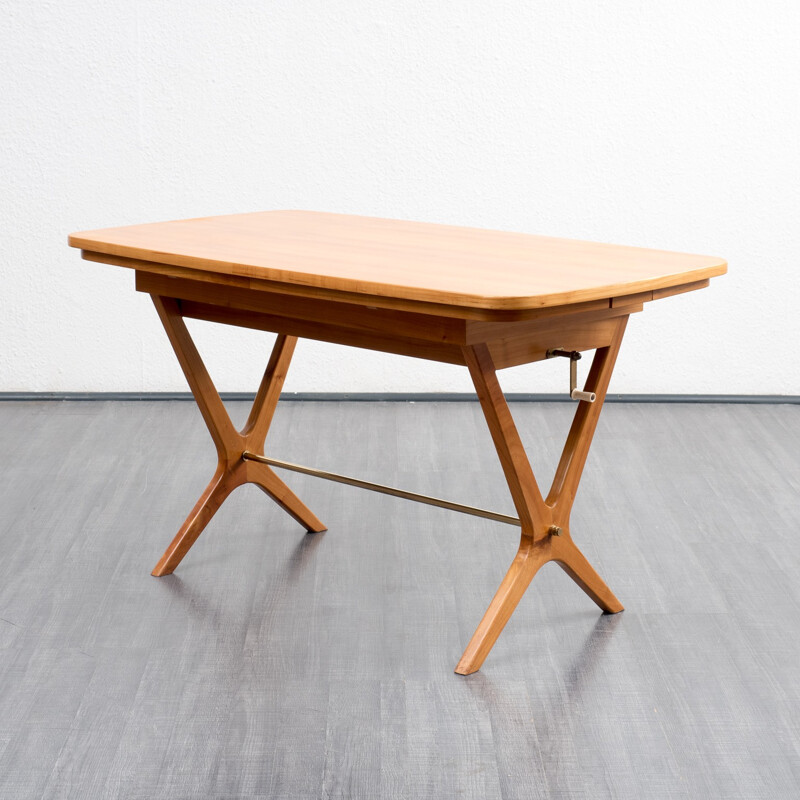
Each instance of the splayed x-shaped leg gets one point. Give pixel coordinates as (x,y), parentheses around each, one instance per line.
(545,522)
(232,470)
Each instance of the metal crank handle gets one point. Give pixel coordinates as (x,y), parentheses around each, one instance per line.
(574,357)
(586,397)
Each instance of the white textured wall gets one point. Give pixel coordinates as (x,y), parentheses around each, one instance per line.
(672,125)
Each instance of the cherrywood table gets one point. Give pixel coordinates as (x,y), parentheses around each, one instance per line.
(483,299)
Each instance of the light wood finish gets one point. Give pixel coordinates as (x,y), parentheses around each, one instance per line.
(538,543)
(573,458)
(290,290)
(484,299)
(232,470)
(444,264)
(354,316)
(386,343)
(513,350)
(405,333)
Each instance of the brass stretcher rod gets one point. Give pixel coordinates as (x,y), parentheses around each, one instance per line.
(377,487)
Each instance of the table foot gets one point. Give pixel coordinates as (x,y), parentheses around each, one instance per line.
(271,484)
(574,563)
(221,485)
(530,557)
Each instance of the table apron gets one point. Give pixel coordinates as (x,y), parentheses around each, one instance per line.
(405,333)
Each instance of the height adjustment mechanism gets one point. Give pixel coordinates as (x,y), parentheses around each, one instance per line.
(574,357)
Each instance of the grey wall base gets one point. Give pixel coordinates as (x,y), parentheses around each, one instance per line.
(414,397)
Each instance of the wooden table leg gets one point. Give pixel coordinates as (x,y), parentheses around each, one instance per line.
(232,470)
(545,523)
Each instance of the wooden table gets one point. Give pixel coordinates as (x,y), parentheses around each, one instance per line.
(483,299)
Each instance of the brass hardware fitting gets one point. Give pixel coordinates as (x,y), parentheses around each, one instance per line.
(574,357)
(554,530)
(377,487)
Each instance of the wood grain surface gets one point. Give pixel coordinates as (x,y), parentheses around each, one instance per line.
(411,261)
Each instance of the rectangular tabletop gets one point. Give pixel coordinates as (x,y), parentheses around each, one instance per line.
(460,268)
(484,299)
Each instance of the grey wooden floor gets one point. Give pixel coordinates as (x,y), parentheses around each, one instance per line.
(275,664)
